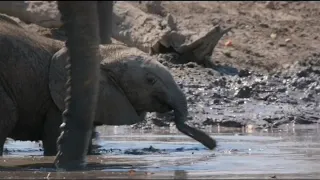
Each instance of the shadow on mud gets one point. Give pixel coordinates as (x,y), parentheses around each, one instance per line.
(49,167)
(45,164)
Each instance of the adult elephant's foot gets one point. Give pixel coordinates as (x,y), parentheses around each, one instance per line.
(68,156)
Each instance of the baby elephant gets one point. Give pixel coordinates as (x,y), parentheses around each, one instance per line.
(32,86)
(132,83)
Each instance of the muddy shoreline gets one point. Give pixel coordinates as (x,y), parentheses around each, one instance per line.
(229,97)
(237,96)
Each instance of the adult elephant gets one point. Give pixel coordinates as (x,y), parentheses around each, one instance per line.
(81,22)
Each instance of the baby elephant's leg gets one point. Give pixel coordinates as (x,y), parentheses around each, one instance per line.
(93,147)
(51,131)
(8,117)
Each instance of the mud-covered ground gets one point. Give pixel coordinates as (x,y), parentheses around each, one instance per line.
(267,77)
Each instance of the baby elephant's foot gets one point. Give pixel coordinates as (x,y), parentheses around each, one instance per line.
(95,135)
(94,148)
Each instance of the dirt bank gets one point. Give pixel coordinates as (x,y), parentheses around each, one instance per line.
(267,76)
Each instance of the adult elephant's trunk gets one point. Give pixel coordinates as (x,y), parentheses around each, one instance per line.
(179,104)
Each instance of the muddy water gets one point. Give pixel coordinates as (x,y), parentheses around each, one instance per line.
(293,151)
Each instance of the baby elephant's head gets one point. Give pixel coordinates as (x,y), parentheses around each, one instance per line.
(147,84)
(131,84)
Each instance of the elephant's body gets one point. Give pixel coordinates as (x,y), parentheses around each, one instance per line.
(32,86)
(25,98)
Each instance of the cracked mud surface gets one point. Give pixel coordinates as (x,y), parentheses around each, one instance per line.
(268,77)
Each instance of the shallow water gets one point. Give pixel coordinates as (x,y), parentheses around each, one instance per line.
(291,152)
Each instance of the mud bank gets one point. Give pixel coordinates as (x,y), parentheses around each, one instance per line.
(231,97)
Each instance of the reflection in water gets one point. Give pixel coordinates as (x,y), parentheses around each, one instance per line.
(180,174)
(293,151)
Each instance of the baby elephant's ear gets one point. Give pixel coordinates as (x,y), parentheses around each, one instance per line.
(58,77)
(114,107)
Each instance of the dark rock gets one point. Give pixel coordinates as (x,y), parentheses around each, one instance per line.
(302,83)
(191,65)
(231,123)
(282,89)
(244,73)
(212,72)
(208,121)
(216,101)
(240,102)
(264,25)
(244,92)
(303,73)
(215,95)
(223,123)
(280,122)
(271,119)
(303,120)
(220,82)
(308,97)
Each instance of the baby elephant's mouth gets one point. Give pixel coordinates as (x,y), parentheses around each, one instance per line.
(162,106)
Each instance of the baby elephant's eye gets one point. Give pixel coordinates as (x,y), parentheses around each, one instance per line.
(151,80)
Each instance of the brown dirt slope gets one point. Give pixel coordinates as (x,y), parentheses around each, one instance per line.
(295,24)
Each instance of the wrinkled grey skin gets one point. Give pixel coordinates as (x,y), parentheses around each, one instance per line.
(32,87)
(131,84)
(81,23)
(27,110)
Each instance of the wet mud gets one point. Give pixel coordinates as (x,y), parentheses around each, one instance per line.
(230,97)
(166,153)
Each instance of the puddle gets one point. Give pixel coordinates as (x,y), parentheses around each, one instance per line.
(164,153)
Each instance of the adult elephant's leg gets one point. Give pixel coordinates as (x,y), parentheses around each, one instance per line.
(81,25)
(105,9)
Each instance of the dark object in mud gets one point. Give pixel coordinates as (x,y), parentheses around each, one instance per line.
(198,135)
(244,92)
(244,73)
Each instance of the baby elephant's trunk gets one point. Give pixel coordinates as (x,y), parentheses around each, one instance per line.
(180,107)
(181,112)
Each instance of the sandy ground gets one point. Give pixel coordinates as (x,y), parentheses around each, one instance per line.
(295,24)
(267,77)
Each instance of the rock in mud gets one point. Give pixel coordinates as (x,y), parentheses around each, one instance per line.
(244,73)
(244,92)
(223,123)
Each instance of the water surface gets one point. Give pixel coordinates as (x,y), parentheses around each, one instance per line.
(291,152)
